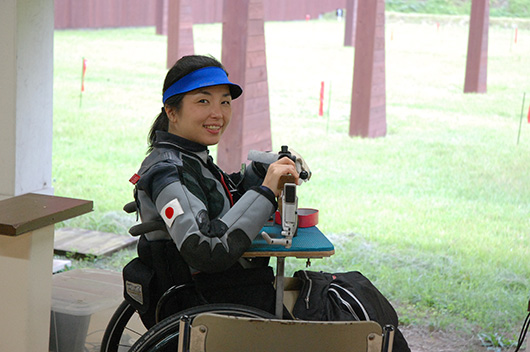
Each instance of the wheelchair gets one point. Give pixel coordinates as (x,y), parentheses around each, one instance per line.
(125,330)
(231,327)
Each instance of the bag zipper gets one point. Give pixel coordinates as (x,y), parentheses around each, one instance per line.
(306,298)
(367,318)
(345,303)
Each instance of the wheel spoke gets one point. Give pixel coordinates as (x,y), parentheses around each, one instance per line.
(134,331)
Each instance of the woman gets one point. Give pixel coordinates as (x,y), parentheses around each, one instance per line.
(210,218)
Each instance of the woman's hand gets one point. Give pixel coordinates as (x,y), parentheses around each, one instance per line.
(283,166)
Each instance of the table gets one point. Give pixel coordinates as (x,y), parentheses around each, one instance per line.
(308,243)
(26,260)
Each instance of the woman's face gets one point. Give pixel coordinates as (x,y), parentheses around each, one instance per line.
(204,115)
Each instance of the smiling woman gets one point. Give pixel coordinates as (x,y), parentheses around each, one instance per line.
(209,112)
(207,219)
(191,73)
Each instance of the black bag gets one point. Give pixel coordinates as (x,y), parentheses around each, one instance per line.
(158,267)
(137,282)
(345,297)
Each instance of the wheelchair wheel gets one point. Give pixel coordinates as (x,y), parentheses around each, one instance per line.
(123,329)
(164,335)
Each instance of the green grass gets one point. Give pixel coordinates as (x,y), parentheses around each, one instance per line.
(510,8)
(437,213)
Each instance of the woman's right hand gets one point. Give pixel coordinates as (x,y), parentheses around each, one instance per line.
(277,169)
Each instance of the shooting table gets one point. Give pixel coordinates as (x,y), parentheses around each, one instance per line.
(26,260)
(308,243)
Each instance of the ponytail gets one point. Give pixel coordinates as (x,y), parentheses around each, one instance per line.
(161,123)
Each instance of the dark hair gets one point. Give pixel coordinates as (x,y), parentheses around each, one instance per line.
(182,67)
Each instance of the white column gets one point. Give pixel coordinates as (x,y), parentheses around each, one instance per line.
(26,276)
(26,96)
(26,114)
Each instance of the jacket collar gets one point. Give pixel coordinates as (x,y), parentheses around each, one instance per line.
(166,138)
(170,140)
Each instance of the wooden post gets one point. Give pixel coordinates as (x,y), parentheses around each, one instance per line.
(477,48)
(244,58)
(368,107)
(351,21)
(161,17)
(180,31)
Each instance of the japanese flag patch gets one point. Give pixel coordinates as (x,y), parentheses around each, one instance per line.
(171,211)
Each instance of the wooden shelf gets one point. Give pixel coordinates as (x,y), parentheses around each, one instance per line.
(32,211)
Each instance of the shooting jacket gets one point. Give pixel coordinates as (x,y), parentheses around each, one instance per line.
(212,217)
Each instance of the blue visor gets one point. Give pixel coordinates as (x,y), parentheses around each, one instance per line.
(203,77)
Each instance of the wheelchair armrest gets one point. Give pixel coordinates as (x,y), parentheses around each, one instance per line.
(130,207)
(145,227)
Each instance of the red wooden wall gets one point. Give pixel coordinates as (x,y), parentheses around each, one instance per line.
(139,13)
(104,13)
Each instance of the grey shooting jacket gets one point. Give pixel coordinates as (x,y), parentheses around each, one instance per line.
(180,184)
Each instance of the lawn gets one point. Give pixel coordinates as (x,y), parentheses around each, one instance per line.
(436,213)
